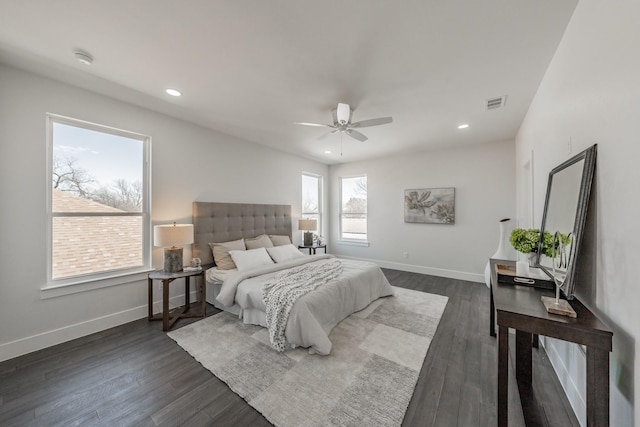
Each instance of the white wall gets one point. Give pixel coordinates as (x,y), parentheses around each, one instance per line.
(188,163)
(591,94)
(484,181)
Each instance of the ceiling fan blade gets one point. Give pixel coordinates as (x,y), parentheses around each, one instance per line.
(357,135)
(313,124)
(324,135)
(372,122)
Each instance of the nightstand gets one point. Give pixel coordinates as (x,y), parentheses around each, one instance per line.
(313,247)
(169,317)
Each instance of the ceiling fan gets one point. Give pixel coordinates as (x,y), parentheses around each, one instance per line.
(342,123)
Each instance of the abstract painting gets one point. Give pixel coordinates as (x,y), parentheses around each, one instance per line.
(430,205)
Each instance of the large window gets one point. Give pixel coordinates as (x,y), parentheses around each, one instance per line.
(353,208)
(312,198)
(99,201)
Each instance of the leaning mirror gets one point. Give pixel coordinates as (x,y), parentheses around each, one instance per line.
(564,217)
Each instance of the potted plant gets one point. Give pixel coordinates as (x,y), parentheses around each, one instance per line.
(526,241)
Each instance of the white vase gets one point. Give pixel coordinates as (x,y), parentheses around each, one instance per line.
(503,249)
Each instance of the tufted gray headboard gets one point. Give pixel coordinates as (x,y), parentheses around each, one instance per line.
(222,222)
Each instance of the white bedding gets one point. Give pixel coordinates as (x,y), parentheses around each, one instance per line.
(315,314)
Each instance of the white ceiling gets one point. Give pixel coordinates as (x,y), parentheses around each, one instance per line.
(250,68)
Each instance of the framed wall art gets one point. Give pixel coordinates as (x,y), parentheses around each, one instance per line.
(430,205)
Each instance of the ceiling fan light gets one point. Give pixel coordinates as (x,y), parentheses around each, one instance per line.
(343,113)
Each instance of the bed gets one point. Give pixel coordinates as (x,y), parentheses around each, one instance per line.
(314,314)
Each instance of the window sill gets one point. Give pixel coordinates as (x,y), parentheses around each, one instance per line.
(363,243)
(53,290)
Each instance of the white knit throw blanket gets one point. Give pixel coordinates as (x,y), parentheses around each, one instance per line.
(289,285)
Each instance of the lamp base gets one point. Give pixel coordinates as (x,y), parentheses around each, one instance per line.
(172,260)
(308,238)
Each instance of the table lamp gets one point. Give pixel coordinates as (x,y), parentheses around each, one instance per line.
(175,236)
(308,225)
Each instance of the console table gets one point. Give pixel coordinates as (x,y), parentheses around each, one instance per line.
(520,308)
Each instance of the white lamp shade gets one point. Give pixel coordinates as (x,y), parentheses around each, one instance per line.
(307,224)
(173,235)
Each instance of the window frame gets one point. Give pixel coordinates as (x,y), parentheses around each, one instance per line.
(320,204)
(88,281)
(352,240)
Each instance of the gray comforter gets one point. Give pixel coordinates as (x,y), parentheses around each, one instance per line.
(314,315)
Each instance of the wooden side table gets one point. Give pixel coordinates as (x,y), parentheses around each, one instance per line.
(313,247)
(169,318)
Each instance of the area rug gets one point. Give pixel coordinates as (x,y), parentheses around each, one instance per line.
(367,380)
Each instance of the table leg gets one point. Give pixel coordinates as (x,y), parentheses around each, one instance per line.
(503,376)
(187,293)
(523,359)
(597,387)
(492,315)
(203,295)
(150,298)
(165,304)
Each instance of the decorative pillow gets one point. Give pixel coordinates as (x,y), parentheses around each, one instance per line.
(252,258)
(279,240)
(284,253)
(261,241)
(221,253)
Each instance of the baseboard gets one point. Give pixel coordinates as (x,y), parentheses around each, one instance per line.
(440,272)
(573,393)
(42,340)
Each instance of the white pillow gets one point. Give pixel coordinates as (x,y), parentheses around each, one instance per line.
(246,260)
(284,253)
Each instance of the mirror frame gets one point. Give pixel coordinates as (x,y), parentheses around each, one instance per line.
(588,170)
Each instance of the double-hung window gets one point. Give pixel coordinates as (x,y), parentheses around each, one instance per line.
(312,198)
(353,208)
(99,207)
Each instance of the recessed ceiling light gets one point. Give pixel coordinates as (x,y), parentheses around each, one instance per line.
(463,126)
(327,152)
(173,92)
(83,57)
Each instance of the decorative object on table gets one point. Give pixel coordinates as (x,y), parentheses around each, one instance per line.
(175,236)
(535,278)
(196,263)
(565,210)
(430,206)
(558,306)
(526,241)
(308,225)
(503,248)
(559,259)
(522,268)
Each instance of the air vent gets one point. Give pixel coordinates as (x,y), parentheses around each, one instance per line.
(498,102)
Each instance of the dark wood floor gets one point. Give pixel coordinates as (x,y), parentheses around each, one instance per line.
(135,375)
